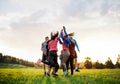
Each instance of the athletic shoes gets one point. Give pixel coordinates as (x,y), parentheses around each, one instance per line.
(47,74)
(65,73)
(77,70)
(54,74)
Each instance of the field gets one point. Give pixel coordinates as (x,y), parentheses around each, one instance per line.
(35,76)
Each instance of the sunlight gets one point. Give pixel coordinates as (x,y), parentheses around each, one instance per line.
(99,51)
(20,53)
(92,48)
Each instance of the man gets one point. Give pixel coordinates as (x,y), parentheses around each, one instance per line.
(44,49)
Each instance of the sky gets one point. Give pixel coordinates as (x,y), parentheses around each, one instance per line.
(25,23)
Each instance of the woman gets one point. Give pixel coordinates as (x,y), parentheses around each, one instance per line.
(65,51)
(52,58)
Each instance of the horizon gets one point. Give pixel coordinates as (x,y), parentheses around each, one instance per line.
(24,24)
(59,60)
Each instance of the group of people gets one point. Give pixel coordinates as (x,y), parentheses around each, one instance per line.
(68,54)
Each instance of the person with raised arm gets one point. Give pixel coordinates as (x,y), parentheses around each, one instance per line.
(75,42)
(65,51)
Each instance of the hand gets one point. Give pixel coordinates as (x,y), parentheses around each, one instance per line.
(51,33)
(63,27)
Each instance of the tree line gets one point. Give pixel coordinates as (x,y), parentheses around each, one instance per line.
(14,60)
(97,65)
(86,64)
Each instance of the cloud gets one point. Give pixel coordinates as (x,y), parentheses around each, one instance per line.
(25,23)
(86,8)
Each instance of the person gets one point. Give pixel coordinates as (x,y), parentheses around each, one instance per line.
(75,56)
(44,48)
(52,57)
(65,51)
(71,57)
(75,42)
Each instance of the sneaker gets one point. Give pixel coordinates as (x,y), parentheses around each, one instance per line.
(54,74)
(47,74)
(65,73)
(77,70)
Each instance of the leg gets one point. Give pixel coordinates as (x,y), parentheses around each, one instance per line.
(51,63)
(71,64)
(76,65)
(56,67)
(56,64)
(66,55)
(48,73)
(43,60)
(65,58)
(67,63)
(44,69)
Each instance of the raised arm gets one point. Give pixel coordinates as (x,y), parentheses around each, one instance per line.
(65,30)
(61,35)
(60,41)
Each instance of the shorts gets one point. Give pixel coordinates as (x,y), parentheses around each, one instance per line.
(45,59)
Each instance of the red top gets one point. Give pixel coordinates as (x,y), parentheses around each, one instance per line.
(52,45)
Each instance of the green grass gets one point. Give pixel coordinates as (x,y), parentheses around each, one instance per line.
(35,76)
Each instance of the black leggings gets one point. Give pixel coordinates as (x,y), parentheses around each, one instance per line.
(52,58)
(70,60)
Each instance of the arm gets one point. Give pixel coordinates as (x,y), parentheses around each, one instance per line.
(76,45)
(42,46)
(51,35)
(60,41)
(61,35)
(65,30)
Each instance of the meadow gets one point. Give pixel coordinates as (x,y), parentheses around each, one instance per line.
(35,76)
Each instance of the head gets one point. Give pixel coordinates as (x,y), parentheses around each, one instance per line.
(46,38)
(71,34)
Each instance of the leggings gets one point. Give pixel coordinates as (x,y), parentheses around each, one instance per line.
(52,58)
(64,59)
(70,60)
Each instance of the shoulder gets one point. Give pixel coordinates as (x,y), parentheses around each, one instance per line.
(73,40)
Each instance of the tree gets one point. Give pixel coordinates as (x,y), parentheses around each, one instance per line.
(1,56)
(88,63)
(109,63)
(118,62)
(98,65)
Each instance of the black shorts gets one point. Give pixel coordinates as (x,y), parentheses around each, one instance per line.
(45,59)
